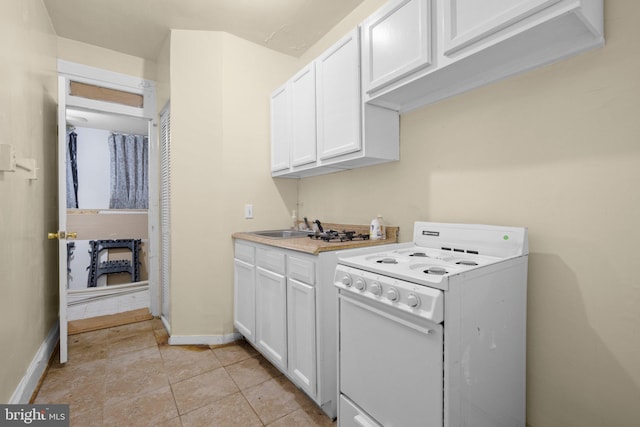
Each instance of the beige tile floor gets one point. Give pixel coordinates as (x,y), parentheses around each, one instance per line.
(130,376)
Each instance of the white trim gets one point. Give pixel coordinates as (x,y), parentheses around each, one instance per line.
(36,369)
(203,339)
(165,322)
(110,79)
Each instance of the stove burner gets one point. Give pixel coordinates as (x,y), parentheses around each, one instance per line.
(419,254)
(466,262)
(338,236)
(438,271)
(387,261)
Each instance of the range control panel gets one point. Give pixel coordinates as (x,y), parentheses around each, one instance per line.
(405,296)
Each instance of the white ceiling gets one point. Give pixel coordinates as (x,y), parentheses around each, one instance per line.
(139,27)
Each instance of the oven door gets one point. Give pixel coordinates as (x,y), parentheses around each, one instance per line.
(390,366)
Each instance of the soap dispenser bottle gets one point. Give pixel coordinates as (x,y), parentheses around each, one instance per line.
(377,231)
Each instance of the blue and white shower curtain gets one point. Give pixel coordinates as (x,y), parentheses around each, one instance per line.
(129,171)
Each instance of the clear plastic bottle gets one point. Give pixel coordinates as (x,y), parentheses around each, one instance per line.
(377,230)
(374,229)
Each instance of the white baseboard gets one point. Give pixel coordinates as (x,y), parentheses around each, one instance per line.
(165,322)
(203,339)
(36,369)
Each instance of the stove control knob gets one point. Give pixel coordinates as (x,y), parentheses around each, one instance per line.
(346,280)
(413,300)
(393,294)
(375,288)
(360,285)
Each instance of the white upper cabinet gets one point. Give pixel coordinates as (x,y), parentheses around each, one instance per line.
(474,43)
(396,41)
(330,128)
(303,116)
(469,21)
(338,93)
(280,129)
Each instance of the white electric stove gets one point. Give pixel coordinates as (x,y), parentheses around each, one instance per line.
(433,332)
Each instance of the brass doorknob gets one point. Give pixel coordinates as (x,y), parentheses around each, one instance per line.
(62,235)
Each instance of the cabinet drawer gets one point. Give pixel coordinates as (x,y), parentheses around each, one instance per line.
(271,260)
(245,253)
(302,270)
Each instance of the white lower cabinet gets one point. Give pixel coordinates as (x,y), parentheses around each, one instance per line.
(301,328)
(271,316)
(285,305)
(244,290)
(244,298)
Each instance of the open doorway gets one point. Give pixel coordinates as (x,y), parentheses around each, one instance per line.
(108,268)
(108,251)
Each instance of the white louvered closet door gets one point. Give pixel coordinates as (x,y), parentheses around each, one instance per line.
(165,211)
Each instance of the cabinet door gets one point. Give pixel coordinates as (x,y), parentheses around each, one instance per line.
(467,22)
(280,129)
(244,299)
(396,41)
(303,115)
(301,328)
(339,102)
(271,316)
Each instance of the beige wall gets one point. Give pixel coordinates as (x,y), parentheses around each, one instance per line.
(106,59)
(28,262)
(163,78)
(220,88)
(556,150)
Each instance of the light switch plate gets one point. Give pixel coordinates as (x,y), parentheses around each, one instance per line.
(248,211)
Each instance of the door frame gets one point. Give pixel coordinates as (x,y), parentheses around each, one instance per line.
(70,71)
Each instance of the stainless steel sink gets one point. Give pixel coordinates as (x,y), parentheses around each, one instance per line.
(280,234)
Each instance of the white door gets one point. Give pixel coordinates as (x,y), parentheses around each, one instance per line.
(165,213)
(301,334)
(62,216)
(280,129)
(467,22)
(395,42)
(271,316)
(303,116)
(244,299)
(390,366)
(339,102)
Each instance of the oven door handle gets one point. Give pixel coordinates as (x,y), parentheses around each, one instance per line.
(386,315)
(362,421)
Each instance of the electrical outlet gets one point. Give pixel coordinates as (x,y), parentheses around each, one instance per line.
(248,211)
